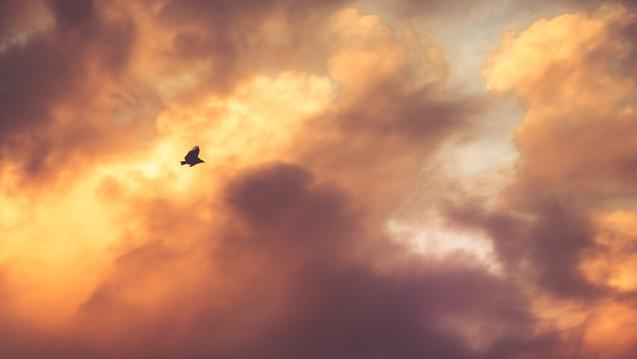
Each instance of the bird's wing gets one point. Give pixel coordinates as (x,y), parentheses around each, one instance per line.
(193,153)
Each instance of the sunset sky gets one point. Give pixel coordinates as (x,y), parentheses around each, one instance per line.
(384,179)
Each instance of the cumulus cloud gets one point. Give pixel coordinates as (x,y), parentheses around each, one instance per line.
(315,121)
(270,251)
(574,76)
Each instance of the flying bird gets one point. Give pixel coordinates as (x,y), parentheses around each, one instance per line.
(192,157)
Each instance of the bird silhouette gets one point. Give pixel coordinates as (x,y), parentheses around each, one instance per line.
(192,157)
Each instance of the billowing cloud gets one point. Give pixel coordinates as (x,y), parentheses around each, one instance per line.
(317,122)
(574,74)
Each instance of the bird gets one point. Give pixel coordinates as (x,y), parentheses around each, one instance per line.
(192,157)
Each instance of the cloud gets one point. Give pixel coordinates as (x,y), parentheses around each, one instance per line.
(574,76)
(410,8)
(56,73)
(292,274)
(279,247)
(557,75)
(315,121)
(109,69)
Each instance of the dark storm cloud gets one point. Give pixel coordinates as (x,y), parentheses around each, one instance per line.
(13,15)
(545,246)
(72,13)
(558,239)
(51,69)
(294,282)
(31,75)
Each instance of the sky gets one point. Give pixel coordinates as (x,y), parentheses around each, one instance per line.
(382,179)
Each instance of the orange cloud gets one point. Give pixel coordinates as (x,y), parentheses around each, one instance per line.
(574,76)
(315,121)
(308,148)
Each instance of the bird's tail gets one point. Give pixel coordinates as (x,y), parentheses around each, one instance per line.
(183,163)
